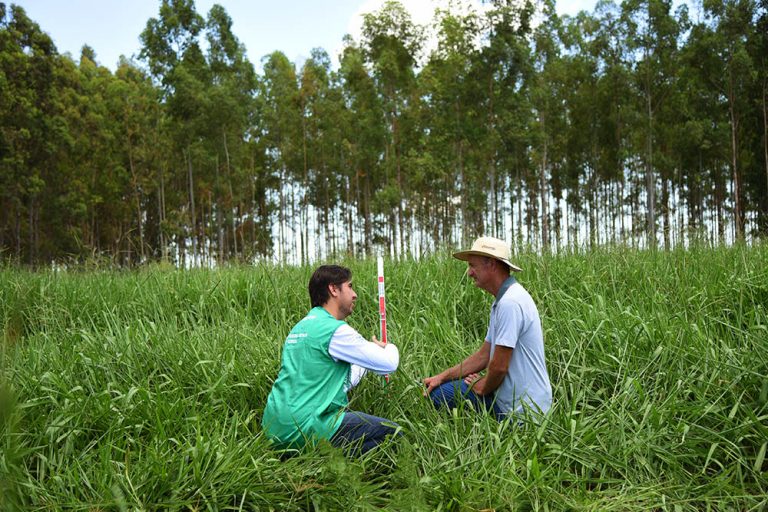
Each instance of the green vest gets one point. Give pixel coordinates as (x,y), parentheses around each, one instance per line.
(307,401)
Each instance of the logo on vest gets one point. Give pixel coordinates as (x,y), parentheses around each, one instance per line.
(294,337)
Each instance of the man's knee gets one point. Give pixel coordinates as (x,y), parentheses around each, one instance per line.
(445,394)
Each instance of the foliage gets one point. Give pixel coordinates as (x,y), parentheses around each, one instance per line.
(144,389)
(636,124)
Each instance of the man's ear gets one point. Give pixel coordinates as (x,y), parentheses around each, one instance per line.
(333,289)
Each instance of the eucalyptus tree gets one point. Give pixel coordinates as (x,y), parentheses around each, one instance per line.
(170,45)
(577,76)
(335,164)
(614,109)
(364,137)
(233,84)
(133,102)
(717,61)
(758,48)
(548,96)
(28,127)
(321,105)
(312,80)
(262,182)
(505,64)
(598,95)
(391,44)
(670,131)
(445,168)
(705,149)
(653,34)
(282,119)
(104,165)
(607,113)
(733,20)
(97,183)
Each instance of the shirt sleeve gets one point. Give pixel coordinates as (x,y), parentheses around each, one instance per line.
(508,324)
(350,346)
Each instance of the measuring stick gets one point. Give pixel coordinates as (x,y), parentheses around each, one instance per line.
(382,304)
(382,307)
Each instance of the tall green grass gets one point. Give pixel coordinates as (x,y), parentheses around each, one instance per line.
(144,390)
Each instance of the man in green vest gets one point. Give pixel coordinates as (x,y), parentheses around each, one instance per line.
(323,358)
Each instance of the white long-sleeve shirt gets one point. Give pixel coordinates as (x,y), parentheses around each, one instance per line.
(349,345)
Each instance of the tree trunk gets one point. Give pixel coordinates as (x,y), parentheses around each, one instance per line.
(3,223)
(614,210)
(719,207)
(31,229)
(161,215)
(183,251)
(137,196)
(765,156)
(683,237)
(216,212)
(531,217)
(190,182)
(254,208)
(303,214)
(282,215)
(738,214)
(404,239)
(590,214)
(519,199)
(367,225)
(665,206)
(233,219)
(650,181)
(125,231)
(293,221)
(543,194)
(620,201)
(350,232)
(18,230)
(463,198)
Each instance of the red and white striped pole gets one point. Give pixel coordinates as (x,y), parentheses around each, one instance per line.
(382,303)
(382,307)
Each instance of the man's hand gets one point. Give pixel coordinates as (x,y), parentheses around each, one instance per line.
(473,381)
(432,382)
(375,340)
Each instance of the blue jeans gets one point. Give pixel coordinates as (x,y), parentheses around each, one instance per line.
(362,431)
(452,394)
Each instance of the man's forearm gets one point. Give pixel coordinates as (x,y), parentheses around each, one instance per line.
(489,383)
(475,363)
(497,371)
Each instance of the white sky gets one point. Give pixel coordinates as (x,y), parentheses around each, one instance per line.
(112,27)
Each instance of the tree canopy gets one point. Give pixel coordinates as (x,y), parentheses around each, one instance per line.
(634,124)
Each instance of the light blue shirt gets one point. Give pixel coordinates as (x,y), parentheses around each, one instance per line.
(515,323)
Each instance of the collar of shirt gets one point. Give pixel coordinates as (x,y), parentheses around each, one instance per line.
(504,287)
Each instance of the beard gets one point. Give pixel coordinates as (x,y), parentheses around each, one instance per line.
(346,310)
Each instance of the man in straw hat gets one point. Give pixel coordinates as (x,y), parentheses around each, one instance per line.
(512,354)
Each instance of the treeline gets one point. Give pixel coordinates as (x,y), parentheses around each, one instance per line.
(634,124)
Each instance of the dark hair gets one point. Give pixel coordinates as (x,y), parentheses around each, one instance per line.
(324,276)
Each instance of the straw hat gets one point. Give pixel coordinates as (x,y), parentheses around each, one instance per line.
(490,247)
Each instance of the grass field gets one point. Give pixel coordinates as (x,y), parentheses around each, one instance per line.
(144,390)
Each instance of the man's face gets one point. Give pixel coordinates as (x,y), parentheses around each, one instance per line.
(479,270)
(346,298)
